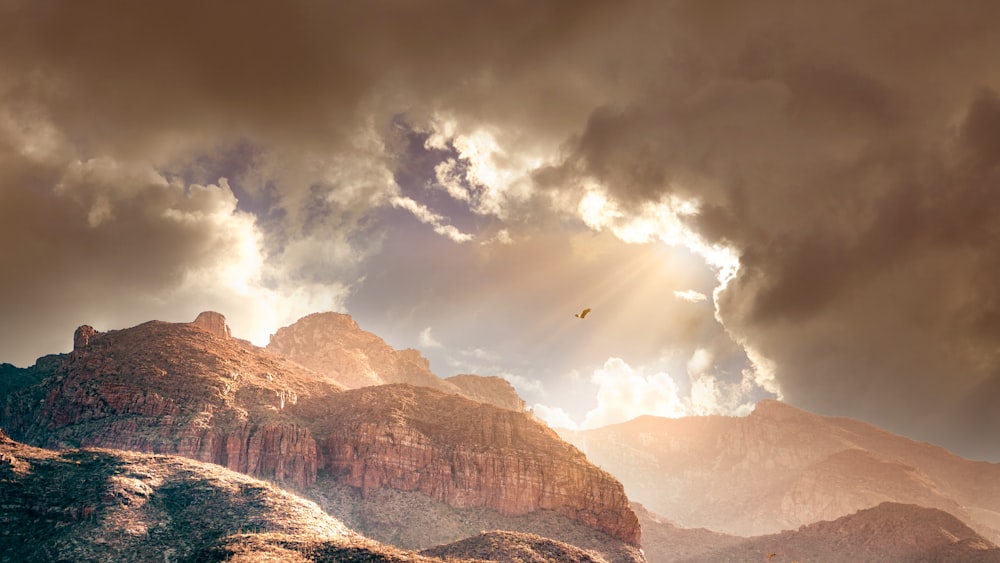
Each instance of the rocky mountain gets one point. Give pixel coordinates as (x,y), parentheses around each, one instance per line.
(334,345)
(189,389)
(107,505)
(781,468)
(889,532)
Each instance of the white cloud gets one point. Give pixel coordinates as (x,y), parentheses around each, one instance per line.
(554,417)
(449,178)
(498,164)
(425,215)
(690,295)
(625,393)
(502,237)
(427,340)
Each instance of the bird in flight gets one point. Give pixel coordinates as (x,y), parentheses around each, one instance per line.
(582,314)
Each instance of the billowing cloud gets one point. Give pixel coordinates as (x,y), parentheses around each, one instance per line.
(625,392)
(829,164)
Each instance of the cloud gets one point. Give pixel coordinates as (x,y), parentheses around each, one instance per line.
(427,216)
(690,295)
(427,340)
(831,163)
(554,417)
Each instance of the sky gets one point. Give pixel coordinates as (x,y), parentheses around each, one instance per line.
(775,199)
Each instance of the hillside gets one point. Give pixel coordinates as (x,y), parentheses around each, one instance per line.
(889,532)
(107,505)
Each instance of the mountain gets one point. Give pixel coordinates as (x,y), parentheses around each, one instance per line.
(889,532)
(103,505)
(370,456)
(781,468)
(334,345)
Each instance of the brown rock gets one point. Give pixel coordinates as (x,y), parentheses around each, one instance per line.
(213,322)
(82,336)
(478,455)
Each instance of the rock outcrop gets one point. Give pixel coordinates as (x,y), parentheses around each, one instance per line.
(82,336)
(213,322)
(179,389)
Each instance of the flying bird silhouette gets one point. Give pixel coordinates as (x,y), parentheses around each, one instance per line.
(582,314)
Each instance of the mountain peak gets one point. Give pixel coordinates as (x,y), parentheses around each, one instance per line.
(213,322)
(776,410)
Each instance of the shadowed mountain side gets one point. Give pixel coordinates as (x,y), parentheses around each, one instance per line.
(333,344)
(513,546)
(179,389)
(665,542)
(102,505)
(889,532)
(781,467)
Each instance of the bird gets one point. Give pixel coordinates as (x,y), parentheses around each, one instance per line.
(582,314)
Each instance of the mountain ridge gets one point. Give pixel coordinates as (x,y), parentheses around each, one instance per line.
(781,467)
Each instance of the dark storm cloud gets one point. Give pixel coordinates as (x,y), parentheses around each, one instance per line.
(848,152)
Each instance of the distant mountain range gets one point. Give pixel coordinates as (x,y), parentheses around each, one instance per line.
(398,460)
(780,468)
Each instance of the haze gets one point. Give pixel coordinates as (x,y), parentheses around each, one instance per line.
(772,199)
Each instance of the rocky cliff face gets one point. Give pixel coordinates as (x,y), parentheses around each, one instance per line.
(181,389)
(333,344)
(782,467)
(398,436)
(174,389)
(488,389)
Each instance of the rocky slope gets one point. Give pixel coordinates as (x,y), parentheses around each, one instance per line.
(782,467)
(889,532)
(181,389)
(334,345)
(513,546)
(107,505)
(488,389)
(664,541)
